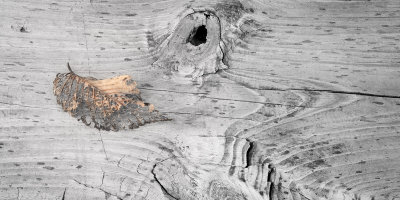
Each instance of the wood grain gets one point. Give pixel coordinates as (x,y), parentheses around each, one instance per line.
(308,108)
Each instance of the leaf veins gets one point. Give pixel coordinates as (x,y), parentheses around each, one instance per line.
(110,104)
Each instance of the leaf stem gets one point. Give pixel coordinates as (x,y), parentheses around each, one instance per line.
(69,68)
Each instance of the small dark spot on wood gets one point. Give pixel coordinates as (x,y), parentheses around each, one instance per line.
(23,30)
(48,167)
(166,149)
(286,152)
(131,14)
(146,85)
(307,41)
(40,163)
(316,163)
(267,160)
(337,152)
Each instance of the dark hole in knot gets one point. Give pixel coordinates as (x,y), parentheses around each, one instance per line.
(198,36)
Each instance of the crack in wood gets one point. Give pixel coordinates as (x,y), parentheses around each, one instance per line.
(137,168)
(63,196)
(209,115)
(18,193)
(349,92)
(271,180)
(119,161)
(249,153)
(102,178)
(98,188)
(329,91)
(165,191)
(102,143)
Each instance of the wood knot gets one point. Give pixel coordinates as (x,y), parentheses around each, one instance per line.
(193,49)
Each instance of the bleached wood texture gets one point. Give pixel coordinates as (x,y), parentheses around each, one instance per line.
(308,109)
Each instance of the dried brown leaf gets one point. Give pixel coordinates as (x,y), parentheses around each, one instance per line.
(110,104)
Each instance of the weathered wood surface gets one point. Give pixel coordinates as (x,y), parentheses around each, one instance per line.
(308,109)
